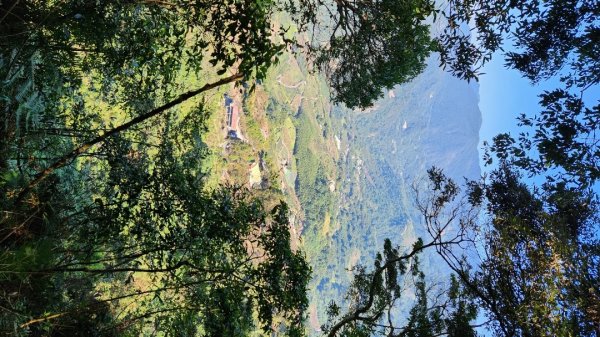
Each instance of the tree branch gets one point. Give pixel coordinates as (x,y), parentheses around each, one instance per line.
(66,159)
(354,316)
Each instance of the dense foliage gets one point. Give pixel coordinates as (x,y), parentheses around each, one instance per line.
(366,46)
(133,232)
(107,227)
(539,274)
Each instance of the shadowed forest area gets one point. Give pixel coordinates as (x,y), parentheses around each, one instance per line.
(183,167)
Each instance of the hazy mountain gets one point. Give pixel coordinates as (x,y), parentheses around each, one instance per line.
(432,121)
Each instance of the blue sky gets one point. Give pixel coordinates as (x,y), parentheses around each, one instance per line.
(504,95)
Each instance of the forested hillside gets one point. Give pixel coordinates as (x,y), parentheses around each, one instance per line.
(348,176)
(387,149)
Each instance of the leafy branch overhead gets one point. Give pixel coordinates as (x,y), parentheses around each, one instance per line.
(364,47)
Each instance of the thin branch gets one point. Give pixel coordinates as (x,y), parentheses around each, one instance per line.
(9,11)
(356,315)
(42,319)
(66,159)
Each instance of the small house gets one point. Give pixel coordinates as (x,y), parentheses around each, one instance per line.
(232,114)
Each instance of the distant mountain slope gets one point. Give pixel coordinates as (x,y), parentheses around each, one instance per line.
(347,175)
(432,121)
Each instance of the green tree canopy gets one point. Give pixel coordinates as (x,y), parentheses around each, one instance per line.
(132,240)
(364,47)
